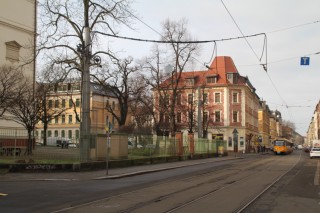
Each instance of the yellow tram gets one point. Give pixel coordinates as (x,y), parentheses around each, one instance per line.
(282,146)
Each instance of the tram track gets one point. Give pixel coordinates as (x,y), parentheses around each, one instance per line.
(179,194)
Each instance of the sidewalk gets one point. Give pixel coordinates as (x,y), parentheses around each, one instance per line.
(112,173)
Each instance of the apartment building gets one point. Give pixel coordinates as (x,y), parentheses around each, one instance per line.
(223,100)
(313,132)
(264,114)
(65,98)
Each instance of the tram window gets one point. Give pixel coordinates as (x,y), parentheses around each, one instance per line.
(279,143)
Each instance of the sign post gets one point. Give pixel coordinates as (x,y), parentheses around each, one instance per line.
(108,129)
(235,140)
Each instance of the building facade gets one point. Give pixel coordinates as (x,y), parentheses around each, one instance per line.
(18,39)
(264,125)
(65,100)
(218,102)
(313,132)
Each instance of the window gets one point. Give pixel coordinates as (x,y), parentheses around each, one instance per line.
(113,105)
(56,103)
(77,102)
(63,119)
(179,99)
(50,104)
(205,117)
(63,133)
(56,133)
(63,103)
(232,78)
(217,116)
(205,98)
(42,134)
(235,97)
(179,117)
(70,134)
(235,116)
(190,98)
(217,97)
(107,120)
(56,120)
(211,79)
(76,87)
(164,101)
(70,119)
(12,51)
(190,81)
(70,103)
(49,133)
(77,134)
(69,86)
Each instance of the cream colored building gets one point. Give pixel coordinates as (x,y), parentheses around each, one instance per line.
(18,38)
(67,97)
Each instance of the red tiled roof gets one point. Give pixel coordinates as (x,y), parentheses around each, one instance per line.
(220,66)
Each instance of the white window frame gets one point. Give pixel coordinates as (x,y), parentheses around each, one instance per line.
(214,97)
(237,95)
(215,118)
(233,120)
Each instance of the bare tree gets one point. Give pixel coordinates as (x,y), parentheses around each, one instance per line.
(70,33)
(121,81)
(167,86)
(9,80)
(25,109)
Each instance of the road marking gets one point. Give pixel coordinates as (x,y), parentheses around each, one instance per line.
(1,194)
(317,175)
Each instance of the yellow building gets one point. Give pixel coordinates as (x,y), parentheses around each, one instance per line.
(66,97)
(264,125)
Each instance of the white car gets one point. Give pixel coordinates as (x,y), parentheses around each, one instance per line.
(314,152)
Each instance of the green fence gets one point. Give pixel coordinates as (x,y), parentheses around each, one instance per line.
(135,147)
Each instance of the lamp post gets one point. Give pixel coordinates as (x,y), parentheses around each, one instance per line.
(85,98)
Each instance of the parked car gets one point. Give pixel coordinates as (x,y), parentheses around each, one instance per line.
(314,152)
(73,145)
(306,149)
(131,145)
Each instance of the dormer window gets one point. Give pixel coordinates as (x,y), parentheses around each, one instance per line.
(232,77)
(190,81)
(212,79)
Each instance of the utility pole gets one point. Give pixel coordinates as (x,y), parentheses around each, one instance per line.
(85,90)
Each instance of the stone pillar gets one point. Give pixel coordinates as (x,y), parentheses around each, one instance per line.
(191,144)
(179,144)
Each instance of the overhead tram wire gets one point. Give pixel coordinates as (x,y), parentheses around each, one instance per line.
(181,42)
(168,41)
(259,59)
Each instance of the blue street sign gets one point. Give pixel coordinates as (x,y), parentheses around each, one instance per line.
(305,61)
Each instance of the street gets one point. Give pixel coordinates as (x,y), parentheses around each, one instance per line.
(256,183)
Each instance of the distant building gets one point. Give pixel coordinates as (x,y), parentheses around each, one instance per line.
(228,104)
(275,124)
(67,97)
(313,132)
(18,39)
(264,114)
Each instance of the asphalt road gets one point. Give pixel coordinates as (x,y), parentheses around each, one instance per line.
(212,187)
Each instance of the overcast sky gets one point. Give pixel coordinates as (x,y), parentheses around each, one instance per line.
(292,28)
